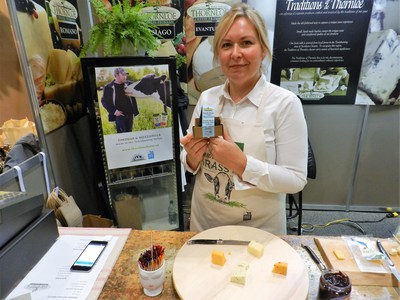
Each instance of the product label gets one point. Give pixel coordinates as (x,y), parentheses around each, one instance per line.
(208,121)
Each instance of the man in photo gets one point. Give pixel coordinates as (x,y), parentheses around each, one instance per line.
(121,108)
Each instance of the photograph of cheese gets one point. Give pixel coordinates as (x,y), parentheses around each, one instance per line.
(379,82)
(381,58)
(53,116)
(63,73)
(315,83)
(55,67)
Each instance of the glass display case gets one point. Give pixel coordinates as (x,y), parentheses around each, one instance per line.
(139,159)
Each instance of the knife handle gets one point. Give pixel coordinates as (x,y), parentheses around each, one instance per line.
(314,256)
(380,247)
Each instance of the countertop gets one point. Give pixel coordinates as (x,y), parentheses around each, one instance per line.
(123,281)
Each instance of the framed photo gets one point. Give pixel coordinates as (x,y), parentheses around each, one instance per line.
(132,103)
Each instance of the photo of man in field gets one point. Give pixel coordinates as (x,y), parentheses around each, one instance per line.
(133,98)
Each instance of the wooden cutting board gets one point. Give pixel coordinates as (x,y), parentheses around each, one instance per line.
(349,265)
(195,277)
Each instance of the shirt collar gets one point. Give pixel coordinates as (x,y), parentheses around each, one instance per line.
(255,94)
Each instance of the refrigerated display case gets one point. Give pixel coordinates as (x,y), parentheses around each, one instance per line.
(141,172)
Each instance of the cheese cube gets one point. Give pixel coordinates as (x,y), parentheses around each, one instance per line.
(280,268)
(239,273)
(255,249)
(339,254)
(218,257)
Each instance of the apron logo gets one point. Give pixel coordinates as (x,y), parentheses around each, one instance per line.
(247,216)
(223,186)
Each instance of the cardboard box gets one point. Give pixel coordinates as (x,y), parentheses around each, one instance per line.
(96,221)
(198,130)
(129,211)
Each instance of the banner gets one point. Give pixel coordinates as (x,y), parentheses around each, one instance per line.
(319,47)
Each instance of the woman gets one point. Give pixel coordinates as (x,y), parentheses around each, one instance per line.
(242,177)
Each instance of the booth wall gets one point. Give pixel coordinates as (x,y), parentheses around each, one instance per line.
(352,173)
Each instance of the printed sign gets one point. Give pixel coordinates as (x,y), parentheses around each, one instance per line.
(318,48)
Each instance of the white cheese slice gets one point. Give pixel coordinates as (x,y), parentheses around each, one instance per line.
(255,249)
(239,273)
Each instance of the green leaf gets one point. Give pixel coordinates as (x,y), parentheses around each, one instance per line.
(123,24)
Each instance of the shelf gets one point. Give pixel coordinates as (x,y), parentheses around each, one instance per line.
(129,181)
(159,224)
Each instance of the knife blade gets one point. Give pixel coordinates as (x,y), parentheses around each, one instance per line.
(395,237)
(390,263)
(217,242)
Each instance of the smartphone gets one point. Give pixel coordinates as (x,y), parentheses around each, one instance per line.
(89,256)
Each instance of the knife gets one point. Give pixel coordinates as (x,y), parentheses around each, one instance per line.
(395,237)
(217,242)
(390,263)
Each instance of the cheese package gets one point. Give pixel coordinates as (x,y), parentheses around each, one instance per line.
(255,249)
(239,273)
(218,257)
(339,254)
(280,268)
(381,58)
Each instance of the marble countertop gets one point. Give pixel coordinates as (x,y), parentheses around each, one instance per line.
(124,283)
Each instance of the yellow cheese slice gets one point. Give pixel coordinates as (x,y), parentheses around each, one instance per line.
(280,268)
(339,254)
(218,257)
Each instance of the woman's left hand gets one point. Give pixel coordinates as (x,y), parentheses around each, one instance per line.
(226,152)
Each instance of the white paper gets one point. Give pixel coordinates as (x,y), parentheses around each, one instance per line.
(51,278)
(355,243)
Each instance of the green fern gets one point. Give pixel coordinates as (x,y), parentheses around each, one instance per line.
(124,23)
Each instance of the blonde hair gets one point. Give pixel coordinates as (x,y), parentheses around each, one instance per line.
(241,10)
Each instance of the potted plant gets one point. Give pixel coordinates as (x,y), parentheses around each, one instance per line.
(120,27)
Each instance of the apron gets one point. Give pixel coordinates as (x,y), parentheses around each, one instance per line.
(215,201)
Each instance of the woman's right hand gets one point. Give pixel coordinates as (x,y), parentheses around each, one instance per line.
(195,149)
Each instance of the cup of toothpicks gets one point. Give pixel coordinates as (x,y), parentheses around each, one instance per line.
(151,265)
